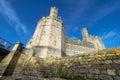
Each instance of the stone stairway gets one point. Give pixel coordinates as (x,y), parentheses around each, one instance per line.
(2,64)
(9,64)
(2,68)
(2,57)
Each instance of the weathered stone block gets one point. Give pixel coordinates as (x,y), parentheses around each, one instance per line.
(108,66)
(116,61)
(96,77)
(111,72)
(103,71)
(83,71)
(94,71)
(117,78)
(83,75)
(108,61)
(99,66)
(105,77)
(116,66)
(90,76)
(96,62)
(118,72)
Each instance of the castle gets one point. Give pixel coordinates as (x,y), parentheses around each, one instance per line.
(49,39)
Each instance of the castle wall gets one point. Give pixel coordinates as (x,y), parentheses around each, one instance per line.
(72,49)
(102,65)
(75,47)
(79,43)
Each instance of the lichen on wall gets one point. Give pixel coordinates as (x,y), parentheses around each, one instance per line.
(104,65)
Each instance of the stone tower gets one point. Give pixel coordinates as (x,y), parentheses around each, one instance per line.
(95,40)
(48,37)
(84,34)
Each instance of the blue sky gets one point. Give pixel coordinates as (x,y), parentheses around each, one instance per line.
(18,18)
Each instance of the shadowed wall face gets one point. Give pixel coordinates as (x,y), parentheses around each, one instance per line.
(11,60)
(3,53)
(12,64)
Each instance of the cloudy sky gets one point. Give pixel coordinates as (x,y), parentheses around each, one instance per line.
(18,18)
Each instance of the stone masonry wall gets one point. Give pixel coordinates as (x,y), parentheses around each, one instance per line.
(79,43)
(72,50)
(102,65)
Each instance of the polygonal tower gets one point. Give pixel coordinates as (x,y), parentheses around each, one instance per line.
(49,37)
(84,34)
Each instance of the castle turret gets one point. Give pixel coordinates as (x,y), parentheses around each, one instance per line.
(95,40)
(84,34)
(48,36)
(54,12)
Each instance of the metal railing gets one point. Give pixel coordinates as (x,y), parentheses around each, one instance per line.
(6,44)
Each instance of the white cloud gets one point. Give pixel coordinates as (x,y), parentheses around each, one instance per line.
(111,39)
(108,35)
(8,12)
